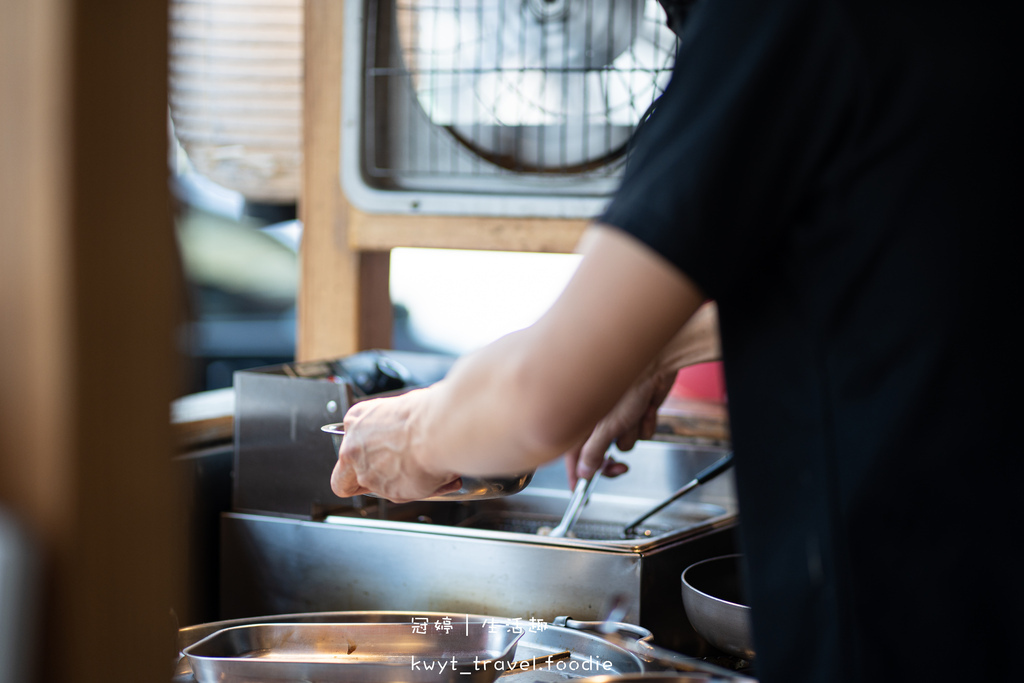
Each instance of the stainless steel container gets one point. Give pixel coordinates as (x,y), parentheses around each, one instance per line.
(588,653)
(462,557)
(354,653)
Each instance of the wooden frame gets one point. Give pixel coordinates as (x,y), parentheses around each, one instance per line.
(91,293)
(344,304)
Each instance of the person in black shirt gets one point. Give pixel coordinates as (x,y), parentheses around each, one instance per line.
(835,176)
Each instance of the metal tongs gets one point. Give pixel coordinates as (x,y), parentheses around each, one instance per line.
(702,477)
(578,501)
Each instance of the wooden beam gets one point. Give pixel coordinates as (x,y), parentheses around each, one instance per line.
(34,259)
(90,289)
(373,231)
(328,300)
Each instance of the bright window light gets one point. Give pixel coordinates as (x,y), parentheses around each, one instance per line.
(460,300)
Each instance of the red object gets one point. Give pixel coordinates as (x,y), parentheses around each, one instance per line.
(701,382)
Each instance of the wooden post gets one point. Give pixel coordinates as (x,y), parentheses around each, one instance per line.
(344,304)
(90,292)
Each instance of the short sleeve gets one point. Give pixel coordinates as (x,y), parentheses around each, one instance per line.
(730,157)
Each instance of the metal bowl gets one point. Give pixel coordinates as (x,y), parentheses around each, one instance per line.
(714,606)
(473,488)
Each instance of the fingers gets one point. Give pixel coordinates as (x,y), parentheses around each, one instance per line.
(375,455)
(344,477)
(614,468)
(628,439)
(449,487)
(345,483)
(572,457)
(592,453)
(649,423)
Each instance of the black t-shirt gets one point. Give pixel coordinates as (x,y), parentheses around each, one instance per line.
(837,175)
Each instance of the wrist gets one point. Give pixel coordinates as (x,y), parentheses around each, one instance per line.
(422,431)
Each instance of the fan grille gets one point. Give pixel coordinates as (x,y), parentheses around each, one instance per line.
(466,95)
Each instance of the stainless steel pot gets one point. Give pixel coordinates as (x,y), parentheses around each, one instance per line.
(715,607)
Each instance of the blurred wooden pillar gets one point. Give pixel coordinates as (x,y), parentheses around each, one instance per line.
(89,299)
(344,304)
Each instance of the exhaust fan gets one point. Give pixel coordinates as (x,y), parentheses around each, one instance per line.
(496,107)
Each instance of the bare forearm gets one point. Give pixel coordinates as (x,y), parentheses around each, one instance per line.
(534,394)
(481,419)
(696,342)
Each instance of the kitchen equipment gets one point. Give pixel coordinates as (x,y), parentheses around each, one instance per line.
(461,555)
(522,518)
(19,569)
(516,108)
(282,462)
(612,630)
(702,477)
(579,500)
(589,653)
(673,661)
(714,605)
(473,488)
(359,652)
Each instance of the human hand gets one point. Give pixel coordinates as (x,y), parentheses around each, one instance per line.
(379,452)
(634,417)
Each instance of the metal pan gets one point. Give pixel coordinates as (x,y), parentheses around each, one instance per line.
(590,653)
(714,605)
(363,653)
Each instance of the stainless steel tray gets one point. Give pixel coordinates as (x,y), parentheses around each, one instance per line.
(518,518)
(590,653)
(534,524)
(469,650)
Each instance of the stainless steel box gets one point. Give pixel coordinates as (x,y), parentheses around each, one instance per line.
(429,556)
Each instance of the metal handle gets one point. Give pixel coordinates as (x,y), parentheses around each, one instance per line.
(579,499)
(638,632)
(704,476)
(648,651)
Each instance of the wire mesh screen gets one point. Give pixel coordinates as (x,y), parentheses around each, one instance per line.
(508,95)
